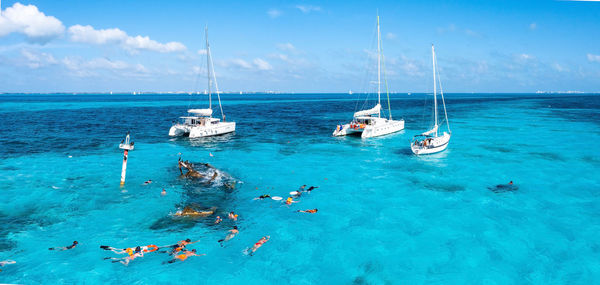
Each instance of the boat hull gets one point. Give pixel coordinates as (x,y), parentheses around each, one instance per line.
(436,145)
(212,130)
(179,130)
(381,127)
(388,127)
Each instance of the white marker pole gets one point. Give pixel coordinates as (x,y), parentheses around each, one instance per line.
(124,169)
(127,146)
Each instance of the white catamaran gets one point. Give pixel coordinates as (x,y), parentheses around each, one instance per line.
(199,122)
(431,141)
(369,123)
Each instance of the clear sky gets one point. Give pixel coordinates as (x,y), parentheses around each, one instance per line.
(115,45)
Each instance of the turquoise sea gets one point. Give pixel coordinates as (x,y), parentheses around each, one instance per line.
(385,216)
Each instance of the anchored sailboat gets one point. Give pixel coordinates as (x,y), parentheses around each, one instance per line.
(430,141)
(199,122)
(369,123)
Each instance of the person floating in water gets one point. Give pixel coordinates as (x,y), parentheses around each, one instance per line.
(510,186)
(232,216)
(6,262)
(311,188)
(148,182)
(263,196)
(125,260)
(218,220)
(257,245)
(184,255)
(163,192)
(311,211)
(180,246)
(231,235)
(75,243)
(290,200)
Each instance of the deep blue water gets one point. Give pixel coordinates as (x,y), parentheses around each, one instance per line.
(385,215)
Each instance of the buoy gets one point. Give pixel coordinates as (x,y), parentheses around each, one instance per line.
(126,146)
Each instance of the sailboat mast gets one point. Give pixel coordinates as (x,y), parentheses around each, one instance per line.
(378,65)
(208,69)
(434,92)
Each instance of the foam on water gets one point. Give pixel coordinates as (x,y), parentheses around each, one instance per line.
(385,216)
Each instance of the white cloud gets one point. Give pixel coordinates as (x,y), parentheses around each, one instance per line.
(238,62)
(390,36)
(593,57)
(472,33)
(532,26)
(559,67)
(274,13)
(286,47)
(258,64)
(524,57)
(36,59)
(87,34)
(28,20)
(450,28)
(84,68)
(261,64)
(308,8)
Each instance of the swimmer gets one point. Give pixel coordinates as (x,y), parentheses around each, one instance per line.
(125,260)
(258,244)
(163,192)
(264,196)
(129,250)
(6,262)
(232,216)
(183,256)
(504,187)
(75,243)
(218,220)
(290,200)
(181,245)
(231,235)
(311,188)
(148,182)
(311,211)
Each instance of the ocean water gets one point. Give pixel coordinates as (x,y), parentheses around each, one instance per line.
(385,216)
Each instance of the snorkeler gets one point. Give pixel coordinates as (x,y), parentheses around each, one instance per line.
(125,260)
(6,262)
(510,186)
(290,200)
(218,220)
(184,255)
(311,211)
(311,188)
(257,245)
(148,182)
(232,216)
(231,235)
(75,243)
(263,196)
(180,246)
(131,250)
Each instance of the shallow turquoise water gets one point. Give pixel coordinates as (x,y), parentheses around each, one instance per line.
(385,216)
